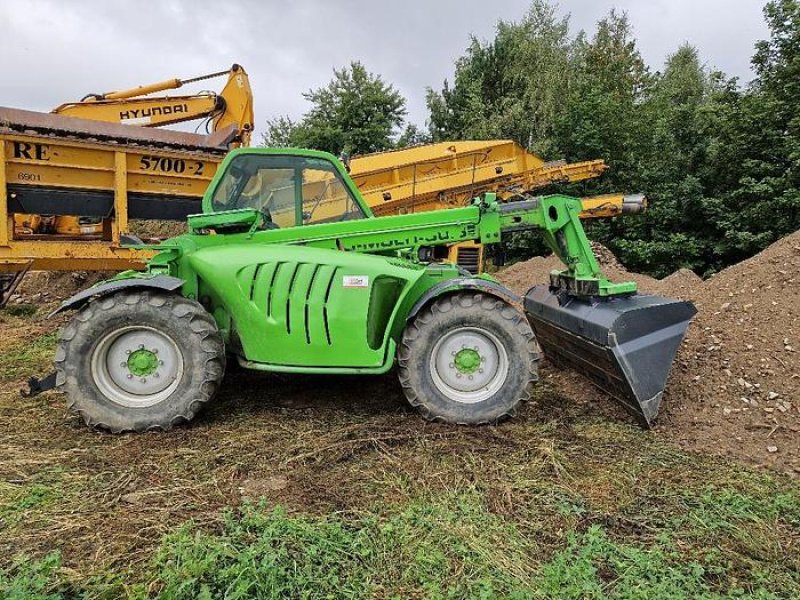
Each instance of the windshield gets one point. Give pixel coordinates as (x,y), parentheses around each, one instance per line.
(287,190)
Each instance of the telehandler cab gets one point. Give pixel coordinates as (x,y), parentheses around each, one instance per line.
(287,270)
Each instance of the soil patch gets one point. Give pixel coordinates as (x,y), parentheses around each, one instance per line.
(735,385)
(736,390)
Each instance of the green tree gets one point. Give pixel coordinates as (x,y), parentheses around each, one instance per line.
(719,163)
(670,154)
(279,132)
(511,87)
(356,112)
(756,160)
(602,115)
(413,136)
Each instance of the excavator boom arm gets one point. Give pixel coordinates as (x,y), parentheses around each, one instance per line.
(231,106)
(146,112)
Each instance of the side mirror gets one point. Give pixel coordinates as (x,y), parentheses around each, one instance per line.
(345,158)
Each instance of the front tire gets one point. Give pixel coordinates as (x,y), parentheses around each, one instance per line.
(468,358)
(141,360)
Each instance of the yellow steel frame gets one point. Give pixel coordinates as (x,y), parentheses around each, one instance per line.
(446,174)
(78,164)
(6,222)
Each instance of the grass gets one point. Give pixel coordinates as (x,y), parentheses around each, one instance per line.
(32,580)
(25,359)
(527,510)
(562,502)
(21,310)
(448,547)
(23,500)
(451,546)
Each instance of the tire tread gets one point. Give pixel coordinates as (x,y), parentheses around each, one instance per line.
(413,336)
(200,322)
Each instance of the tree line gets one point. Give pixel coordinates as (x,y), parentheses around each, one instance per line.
(719,159)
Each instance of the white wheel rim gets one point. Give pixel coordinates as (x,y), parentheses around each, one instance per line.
(137,366)
(454,369)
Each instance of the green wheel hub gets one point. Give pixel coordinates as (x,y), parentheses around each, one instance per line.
(137,366)
(142,362)
(467,360)
(469,364)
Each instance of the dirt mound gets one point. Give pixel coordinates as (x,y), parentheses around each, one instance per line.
(521,276)
(43,287)
(740,391)
(605,256)
(735,385)
(683,283)
(151,229)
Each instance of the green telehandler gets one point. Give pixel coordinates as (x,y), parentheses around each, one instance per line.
(287,270)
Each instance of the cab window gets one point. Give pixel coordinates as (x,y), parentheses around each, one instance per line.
(288,190)
(325,197)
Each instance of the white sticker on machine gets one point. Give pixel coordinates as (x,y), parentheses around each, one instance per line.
(355,281)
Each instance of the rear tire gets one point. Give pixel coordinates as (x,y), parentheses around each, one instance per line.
(468,358)
(141,360)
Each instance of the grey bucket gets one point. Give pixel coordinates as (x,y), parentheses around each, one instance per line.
(624,345)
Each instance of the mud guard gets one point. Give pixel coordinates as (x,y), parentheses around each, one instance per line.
(624,345)
(464,283)
(159,282)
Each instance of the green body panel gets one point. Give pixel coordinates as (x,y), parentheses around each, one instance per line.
(335,296)
(295,306)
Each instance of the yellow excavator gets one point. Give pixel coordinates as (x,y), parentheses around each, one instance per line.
(230,110)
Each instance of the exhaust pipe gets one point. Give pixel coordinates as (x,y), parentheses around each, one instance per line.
(624,345)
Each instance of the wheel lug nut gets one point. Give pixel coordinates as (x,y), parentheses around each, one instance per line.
(458,375)
(470,377)
(143,380)
(127,351)
(480,370)
(161,363)
(141,346)
(156,375)
(129,376)
(452,366)
(154,350)
(123,364)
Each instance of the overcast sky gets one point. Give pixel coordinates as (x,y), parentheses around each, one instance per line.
(55,51)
